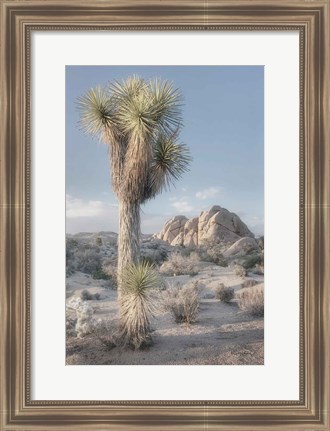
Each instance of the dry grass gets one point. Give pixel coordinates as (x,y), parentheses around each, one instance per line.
(106,333)
(87,296)
(251,300)
(179,265)
(240,271)
(224,294)
(109,268)
(249,283)
(70,326)
(182,303)
(258,269)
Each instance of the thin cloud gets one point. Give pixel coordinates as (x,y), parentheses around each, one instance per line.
(76,208)
(94,216)
(90,215)
(208,193)
(182,206)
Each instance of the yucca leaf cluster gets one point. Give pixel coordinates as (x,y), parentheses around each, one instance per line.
(138,305)
(140,121)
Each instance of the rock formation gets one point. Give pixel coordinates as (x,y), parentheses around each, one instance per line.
(212,226)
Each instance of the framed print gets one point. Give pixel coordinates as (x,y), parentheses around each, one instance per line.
(165,215)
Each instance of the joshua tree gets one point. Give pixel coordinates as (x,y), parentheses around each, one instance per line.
(140,122)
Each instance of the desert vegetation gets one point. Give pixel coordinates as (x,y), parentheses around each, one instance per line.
(224,294)
(252,300)
(138,304)
(182,302)
(177,264)
(187,308)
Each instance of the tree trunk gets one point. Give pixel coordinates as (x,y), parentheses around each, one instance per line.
(129,237)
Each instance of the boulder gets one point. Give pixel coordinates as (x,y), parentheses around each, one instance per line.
(190,233)
(178,240)
(172,228)
(206,215)
(221,225)
(241,247)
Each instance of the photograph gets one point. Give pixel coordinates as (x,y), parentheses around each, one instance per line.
(164,215)
(148,151)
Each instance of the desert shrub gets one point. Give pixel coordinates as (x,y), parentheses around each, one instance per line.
(112,241)
(212,251)
(258,269)
(182,303)
(224,294)
(240,271)
(84,314)
(105,331)
(70,249)
(215,255)
(148,258)
(98,241)
(138,303)
(154,256)
(253,259)
(194,255)
(87,296)
(179,265)
(85,320)
(203,255)
(88,259)
(85,324)
(71,244)
(251,300)
(249,283)
(185,250)
(70,266)
(100,275)
(73,359)
(222,262)
(109,268)
(261,242)
(70,327)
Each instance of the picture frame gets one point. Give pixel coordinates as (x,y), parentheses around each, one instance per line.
(18,20)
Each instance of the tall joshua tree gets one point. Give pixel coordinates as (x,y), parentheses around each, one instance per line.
(140,122)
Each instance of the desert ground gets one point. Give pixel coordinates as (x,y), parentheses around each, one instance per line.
(222,332)
(206,303)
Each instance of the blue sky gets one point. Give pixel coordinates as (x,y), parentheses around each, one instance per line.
(223,125)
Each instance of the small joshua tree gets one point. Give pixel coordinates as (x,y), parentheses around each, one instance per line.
(137,303)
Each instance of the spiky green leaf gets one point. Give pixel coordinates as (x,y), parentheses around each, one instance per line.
(171,161)
(96,111)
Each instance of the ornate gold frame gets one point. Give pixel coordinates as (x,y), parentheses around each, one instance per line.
(18,19)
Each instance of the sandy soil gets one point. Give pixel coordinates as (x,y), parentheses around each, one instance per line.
(222,334)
